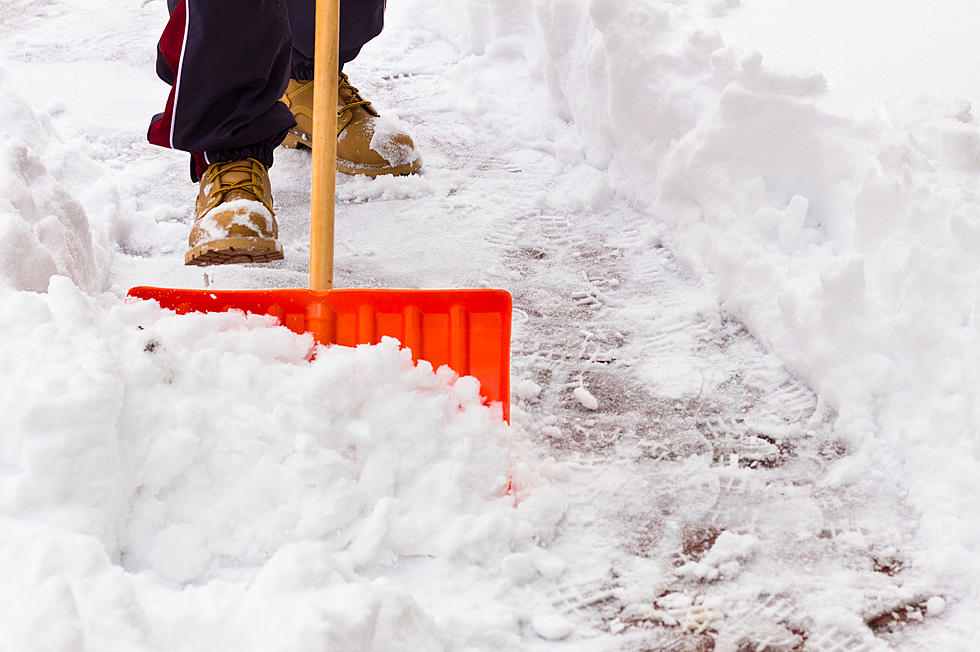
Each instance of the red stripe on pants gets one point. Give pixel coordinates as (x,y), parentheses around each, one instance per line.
(171,46)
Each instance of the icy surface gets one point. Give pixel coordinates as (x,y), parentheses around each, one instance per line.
(745,269)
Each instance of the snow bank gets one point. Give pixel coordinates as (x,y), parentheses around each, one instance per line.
(198,482)
(849,246)
(44,230)
(204,482)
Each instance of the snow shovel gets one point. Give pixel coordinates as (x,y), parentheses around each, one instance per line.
(469,330)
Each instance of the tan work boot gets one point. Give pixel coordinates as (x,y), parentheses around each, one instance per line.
(362,148)
(234,222)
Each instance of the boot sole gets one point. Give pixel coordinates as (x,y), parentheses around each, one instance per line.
(297,140)
(349,167)
(232,251)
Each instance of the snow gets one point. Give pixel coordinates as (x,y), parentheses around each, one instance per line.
(583,396)
(935,606)
(553,627)
(205,466)
(867,51)
(743,248)
(383,141)
(247,213)
(722,560)
(526,389)
(44,229)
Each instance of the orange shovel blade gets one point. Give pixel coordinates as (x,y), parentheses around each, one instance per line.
(469,330)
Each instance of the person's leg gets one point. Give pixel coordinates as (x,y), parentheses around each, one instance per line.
(358,150)
(228,62)
(360,21)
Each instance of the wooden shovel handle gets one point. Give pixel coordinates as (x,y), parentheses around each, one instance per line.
(324,177)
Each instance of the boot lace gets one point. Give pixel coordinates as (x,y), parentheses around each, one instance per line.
(352,94)
(251,184)
(345,90)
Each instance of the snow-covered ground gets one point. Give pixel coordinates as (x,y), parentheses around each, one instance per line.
(747,333)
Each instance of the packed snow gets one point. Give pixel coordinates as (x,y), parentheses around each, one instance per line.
(744,247)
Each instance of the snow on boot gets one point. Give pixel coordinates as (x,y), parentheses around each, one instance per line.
(366,143)
(234,221)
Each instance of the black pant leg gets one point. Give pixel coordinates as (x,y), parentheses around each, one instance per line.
(360,21)
(228,62)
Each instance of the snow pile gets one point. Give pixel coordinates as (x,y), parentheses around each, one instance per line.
(44,230)
(197,482)
(850,246)
(724,559)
